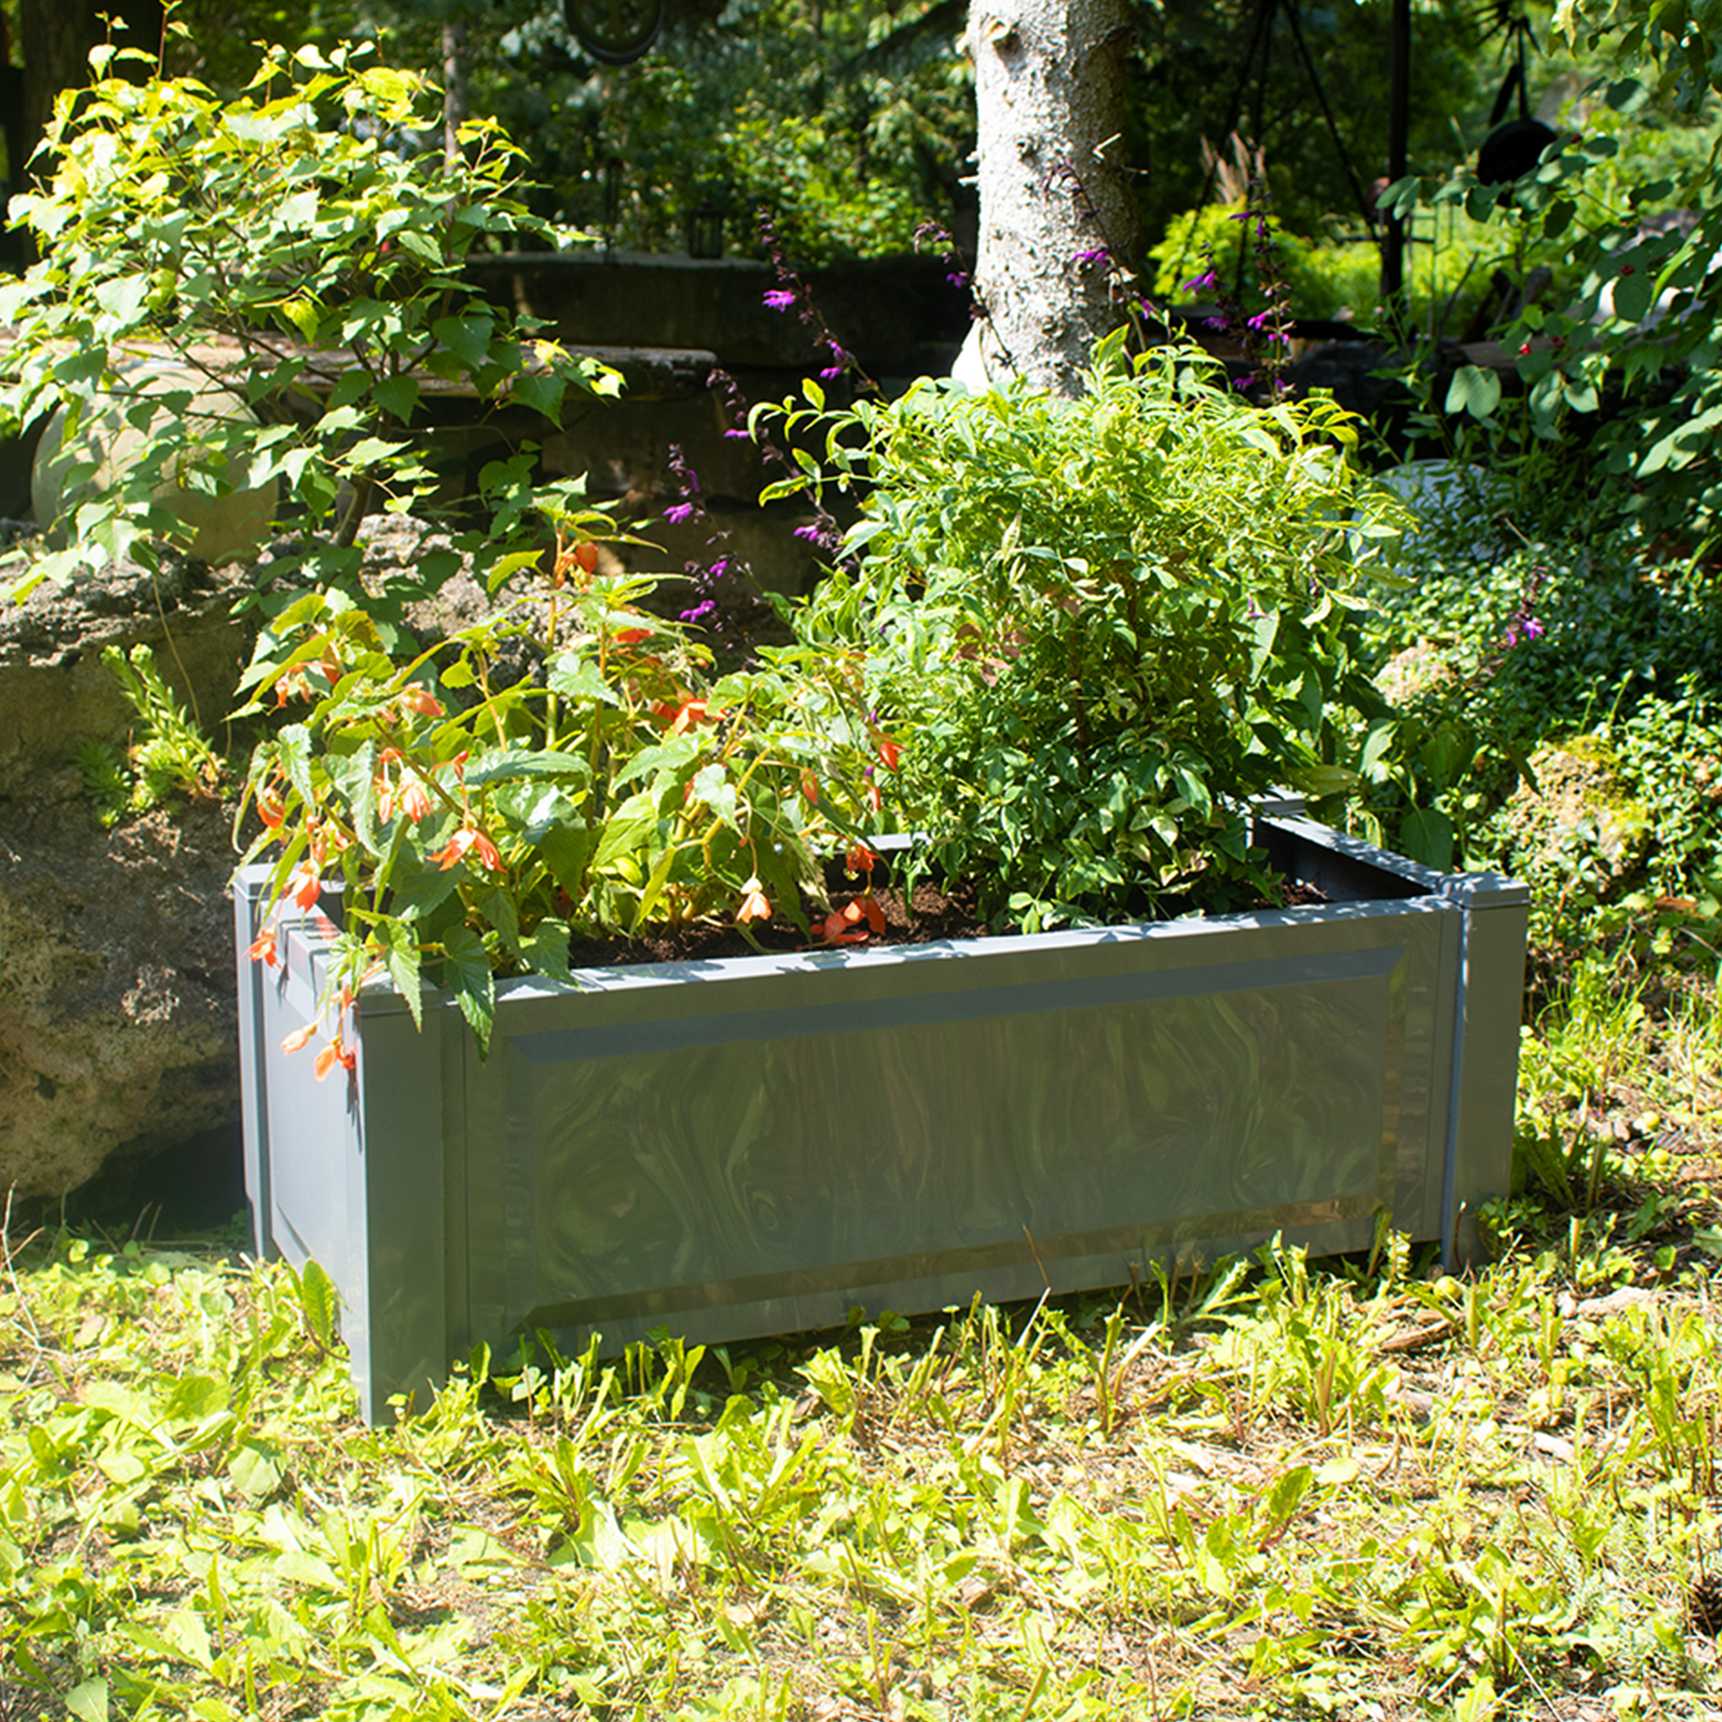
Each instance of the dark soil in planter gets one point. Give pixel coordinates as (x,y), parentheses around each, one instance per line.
(929,914)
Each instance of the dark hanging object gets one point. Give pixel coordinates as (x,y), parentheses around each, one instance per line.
(1513,147)
(705,227)
(1511,151)
(614,32)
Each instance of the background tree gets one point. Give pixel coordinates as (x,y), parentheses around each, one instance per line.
(1051,107)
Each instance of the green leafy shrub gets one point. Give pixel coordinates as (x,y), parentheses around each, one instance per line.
(1097,625)
(1631,354)
(1603,649)
(300,250)
(478,821)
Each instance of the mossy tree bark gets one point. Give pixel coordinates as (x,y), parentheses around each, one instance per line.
(1051,79)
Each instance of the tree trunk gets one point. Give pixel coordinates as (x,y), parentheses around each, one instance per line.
(454,102)
(1050,99)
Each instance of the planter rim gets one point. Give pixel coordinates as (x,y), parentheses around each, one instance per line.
(1436,890)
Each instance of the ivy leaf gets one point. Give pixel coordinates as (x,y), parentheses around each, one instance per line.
(466,974)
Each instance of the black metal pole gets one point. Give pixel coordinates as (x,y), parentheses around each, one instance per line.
(1398,142)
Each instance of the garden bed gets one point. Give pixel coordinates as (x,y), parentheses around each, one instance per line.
(751,1145)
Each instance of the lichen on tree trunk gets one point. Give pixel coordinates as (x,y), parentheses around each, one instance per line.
(1050,99)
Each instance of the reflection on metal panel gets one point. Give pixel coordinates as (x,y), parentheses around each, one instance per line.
(1090,1104)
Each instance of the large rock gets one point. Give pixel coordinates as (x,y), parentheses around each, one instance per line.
(117,1021)
(54,689)
(224,527)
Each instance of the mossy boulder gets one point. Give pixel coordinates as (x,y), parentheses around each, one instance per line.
(1574,830)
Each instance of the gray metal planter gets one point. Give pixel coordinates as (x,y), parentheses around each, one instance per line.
(758,1145)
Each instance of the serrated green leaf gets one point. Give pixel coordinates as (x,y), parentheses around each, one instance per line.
(467,974)
(319,1303)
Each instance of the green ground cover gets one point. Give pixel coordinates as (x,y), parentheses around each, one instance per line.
(1273,1489)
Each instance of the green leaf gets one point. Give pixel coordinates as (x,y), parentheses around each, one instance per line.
(513,763)
(542,391)
(88,1701)
(467,974)
(546,949)
(1474,390)
(467,337)
(396,395)
(319,1303)
(1375,746)
(713,787)
(256,1469)
(627,830)
(1427,836)
(401,953)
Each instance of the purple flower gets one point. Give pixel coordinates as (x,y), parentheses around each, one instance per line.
(812,534)
(679,513)
(700,611)
(1280,336)
(735,435)
(1260,320)
(1197,282)
(1533,628)
(831,373)
(1241,215)
(1099,254)
(779,299)
(1244,383)
(957,278)
(1218,324)
(719,568)
(1147,308)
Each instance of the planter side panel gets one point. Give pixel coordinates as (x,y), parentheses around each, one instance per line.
(739,1155)
(349,1171)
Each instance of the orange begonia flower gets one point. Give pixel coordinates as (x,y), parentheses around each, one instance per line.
(755,905)
(810,787)
(421,700)
(860,859)
(306,885)
(298,1038)
(415,799)
(452,852)
(262,948)
(331,1055)
(632,636)
(889,752)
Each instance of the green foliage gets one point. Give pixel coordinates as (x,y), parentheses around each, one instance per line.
(297,244)
(1098,625)
(1338,1490)
(478,818)
(169,752)
(1620,671)
(1634,348)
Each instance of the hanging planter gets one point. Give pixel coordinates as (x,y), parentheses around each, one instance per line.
(759,1145)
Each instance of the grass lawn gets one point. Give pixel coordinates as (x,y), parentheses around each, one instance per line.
(1270,1489)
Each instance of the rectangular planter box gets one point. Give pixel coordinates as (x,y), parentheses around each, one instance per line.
(758,1145)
